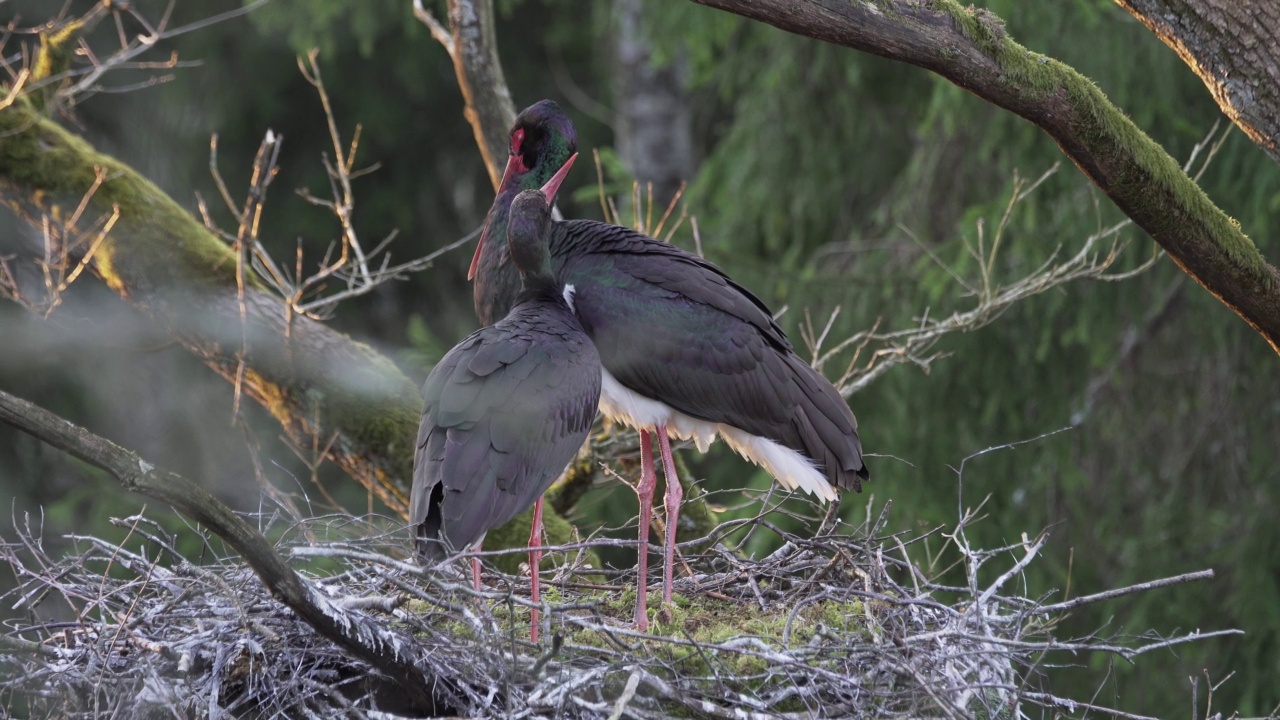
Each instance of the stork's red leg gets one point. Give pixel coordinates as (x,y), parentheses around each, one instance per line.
(648,483)
(535,563)
(475,565)
(675,493)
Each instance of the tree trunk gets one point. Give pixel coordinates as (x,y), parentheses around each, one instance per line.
(1232,45)
(969,47)
(651,110)
(471,45)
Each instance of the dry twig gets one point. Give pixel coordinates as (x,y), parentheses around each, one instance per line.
(915,345)
(822,627)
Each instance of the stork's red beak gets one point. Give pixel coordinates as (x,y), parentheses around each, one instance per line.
(513,163)
(549,190)
(553,185)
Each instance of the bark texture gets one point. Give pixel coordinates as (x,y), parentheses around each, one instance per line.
(489,107)
(1234,46)
(471,45)
(651,111)
(969,47)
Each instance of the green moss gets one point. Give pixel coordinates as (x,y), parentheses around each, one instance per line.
(154,241)
(57,47)
(1159,174)
(981,26)
(717,622)
(714,621)
(706,620)
(1110,133)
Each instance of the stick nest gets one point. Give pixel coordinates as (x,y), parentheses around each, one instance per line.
(837,625)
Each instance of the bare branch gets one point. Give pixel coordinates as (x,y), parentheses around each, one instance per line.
(471,45)
(1092,262)
(438,31)
(356,633)
(1120,592)
(970,47)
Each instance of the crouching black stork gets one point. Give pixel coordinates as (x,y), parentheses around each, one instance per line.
(507,409)
(685,350)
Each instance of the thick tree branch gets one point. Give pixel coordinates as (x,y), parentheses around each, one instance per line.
(335,398)
(1231,45)
(474,51)
(318,383)
(353,631)
(970,48)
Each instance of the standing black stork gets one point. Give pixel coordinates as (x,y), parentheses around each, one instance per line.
(684,349)
(507,408)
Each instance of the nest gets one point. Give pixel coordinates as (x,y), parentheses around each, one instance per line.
(840,624)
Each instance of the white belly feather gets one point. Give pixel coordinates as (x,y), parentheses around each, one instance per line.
(791,469)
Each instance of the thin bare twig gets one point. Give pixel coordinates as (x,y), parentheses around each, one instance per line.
(1093,261)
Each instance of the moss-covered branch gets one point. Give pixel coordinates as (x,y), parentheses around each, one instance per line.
(316,382)
(325,389)
(970,48)
(355,632)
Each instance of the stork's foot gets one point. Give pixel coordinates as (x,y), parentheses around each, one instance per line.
(665,614)
(641,622)
(655,613)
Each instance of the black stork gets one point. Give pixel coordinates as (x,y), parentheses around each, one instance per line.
(507,408)
(685,350)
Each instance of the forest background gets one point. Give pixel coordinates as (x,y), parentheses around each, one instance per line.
(819,177)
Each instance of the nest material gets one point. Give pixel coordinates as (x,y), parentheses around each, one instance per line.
(839,625)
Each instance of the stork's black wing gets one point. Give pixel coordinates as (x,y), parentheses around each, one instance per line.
(506,410)
(677,272)
(671,326)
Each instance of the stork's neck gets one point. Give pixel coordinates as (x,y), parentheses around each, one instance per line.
(496,283)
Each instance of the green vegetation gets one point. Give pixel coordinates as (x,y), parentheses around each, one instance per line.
(826,179)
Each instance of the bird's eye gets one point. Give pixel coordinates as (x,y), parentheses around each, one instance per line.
(517,139)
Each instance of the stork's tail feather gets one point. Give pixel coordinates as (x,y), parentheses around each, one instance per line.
(827,429)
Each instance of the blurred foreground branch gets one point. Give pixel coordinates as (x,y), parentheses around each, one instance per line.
(361,636)
(326,390)
(313,380)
